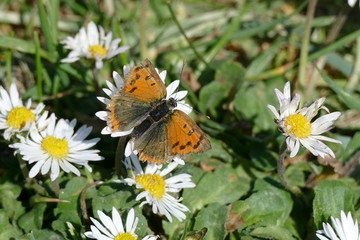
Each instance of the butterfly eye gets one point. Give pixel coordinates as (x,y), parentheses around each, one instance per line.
(172,102)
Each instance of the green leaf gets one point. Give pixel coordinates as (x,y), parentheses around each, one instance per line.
(260,63)
(113,195)
(266,205)
(229,187)
(69,211)
(213,217)
(251,101)
(295,173)
(352,147)
(34,218)
(332,196)
(263,159)
(231,73)
(272,232)
(42,234)
(211,96)
(349,99)
(7,231)
(8,199)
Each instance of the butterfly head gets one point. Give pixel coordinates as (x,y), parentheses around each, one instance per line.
(171,103)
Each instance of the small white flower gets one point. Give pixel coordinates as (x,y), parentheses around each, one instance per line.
(113,228)
(57,146)
(156,187)
(92,43)
(344,229)
(113,90)
(296,124)
(16,118)
(352,3)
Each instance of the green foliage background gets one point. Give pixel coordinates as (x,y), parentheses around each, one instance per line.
(240,51)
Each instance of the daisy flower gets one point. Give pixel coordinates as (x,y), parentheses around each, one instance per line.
(343,229)
(16,118)
(92,43)
(296,124)
(156,187)
(352,2)
(57,146)
(113,229)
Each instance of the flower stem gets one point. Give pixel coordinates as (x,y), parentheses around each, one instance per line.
(95,74)
(119,154)
(83,200)
(56,187)
(23,168)
(31,183)
(281,171)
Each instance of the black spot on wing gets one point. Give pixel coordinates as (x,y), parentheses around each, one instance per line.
(175,144)
(198,142)
(133,89)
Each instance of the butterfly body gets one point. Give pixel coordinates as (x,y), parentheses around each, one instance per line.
(161,112)
(160,130)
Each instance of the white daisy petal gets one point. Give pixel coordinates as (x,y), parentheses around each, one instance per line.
(56,146)
(115,226)
(159,198)
(92,43)
(341,229)
(296,123)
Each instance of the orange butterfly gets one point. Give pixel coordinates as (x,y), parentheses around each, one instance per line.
(161,128)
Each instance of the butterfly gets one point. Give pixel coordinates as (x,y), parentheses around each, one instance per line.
(160,131)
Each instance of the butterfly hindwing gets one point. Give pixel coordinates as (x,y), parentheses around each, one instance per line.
(153,144)
(185,136)
(144,83)
(176,135)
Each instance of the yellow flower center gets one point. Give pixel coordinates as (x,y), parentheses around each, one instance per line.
(97,50)
(153,183)
(298,125)
(19,116)
(125,236)
(56,147)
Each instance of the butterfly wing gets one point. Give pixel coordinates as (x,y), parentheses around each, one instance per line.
(176,136)
(185,136)
(126,112)
(144,83)
(142,89)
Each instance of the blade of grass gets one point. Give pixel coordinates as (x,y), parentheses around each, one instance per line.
(312,57)
(173,15)
(119,32)
(333,33)
(8,64)
(45,27)
(38,66)
(53,17)
(354,78)
(143,35)
(304,51)
(24,46)
(350,100)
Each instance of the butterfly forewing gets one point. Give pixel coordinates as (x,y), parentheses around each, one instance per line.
(126,112)
(144,83)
